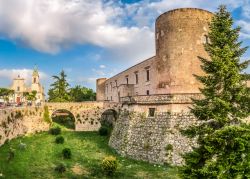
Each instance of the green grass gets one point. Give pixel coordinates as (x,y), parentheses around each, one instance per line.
(42,155)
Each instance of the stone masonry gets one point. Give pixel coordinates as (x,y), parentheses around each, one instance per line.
(15,122)
(20,121)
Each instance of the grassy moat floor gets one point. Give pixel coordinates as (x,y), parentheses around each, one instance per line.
(42,155)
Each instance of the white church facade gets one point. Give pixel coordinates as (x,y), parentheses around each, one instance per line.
(20,88)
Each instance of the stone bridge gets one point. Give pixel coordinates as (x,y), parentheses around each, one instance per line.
(87,114)
(22,120)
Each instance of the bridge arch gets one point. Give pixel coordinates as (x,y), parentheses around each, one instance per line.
(87,115)
(64,117)
(109,116)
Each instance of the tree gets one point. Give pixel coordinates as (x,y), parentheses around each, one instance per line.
(223,138)
(30,96)
(60,89)
(79,94)
(5,93)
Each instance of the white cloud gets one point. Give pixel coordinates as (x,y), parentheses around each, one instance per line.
(144,13)
(127,31)
(102,66)
(98,72)
(91,80)
(10,74)
(245,26)
(48,26)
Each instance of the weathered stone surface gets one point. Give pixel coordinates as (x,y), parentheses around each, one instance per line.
(20,121)
(87,114)
(146,138)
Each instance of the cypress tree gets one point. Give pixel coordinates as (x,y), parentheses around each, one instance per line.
(223,136)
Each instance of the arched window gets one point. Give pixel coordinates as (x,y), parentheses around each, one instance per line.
(34,80)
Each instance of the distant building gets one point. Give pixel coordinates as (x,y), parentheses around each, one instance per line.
(19,86)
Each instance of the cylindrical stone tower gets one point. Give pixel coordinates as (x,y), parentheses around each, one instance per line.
(180,37)
(100,89)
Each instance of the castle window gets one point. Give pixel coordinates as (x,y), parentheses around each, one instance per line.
(151,112)
(147,73)
(147,92)
(127,80)
(111,98)
(18,88)
(136,78)
(110,86)
(34,80)
(116,83)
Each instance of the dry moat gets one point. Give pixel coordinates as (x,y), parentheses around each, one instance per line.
(41,155)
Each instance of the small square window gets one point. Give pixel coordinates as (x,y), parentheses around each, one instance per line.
(151,112)
(147,92)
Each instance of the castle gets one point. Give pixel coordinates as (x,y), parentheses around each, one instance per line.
(19,87)
(180,37)
(155,95)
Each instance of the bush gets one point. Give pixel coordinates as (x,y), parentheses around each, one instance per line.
(11,154)
(103,131)
(109,165)
(22,146)
(59,140)
(55,131)
(46,117)
(60,168)
(66,153)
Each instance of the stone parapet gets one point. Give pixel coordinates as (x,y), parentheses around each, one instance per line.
(161,99)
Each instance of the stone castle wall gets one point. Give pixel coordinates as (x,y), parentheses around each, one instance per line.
(118,86)
(154,139)
(20,121)
(180,37)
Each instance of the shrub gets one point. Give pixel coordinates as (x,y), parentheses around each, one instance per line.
(60,168)
(11,154)
(109,165)
(22,146)
(59,140)
(103,131)
(46,117)
(66,153)
(55,131)
(169,147)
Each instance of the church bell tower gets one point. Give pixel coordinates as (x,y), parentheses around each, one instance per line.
(35,76)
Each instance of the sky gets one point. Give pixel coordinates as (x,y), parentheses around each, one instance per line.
(89,39)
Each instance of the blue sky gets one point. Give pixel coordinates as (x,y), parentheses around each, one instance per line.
(88,39)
